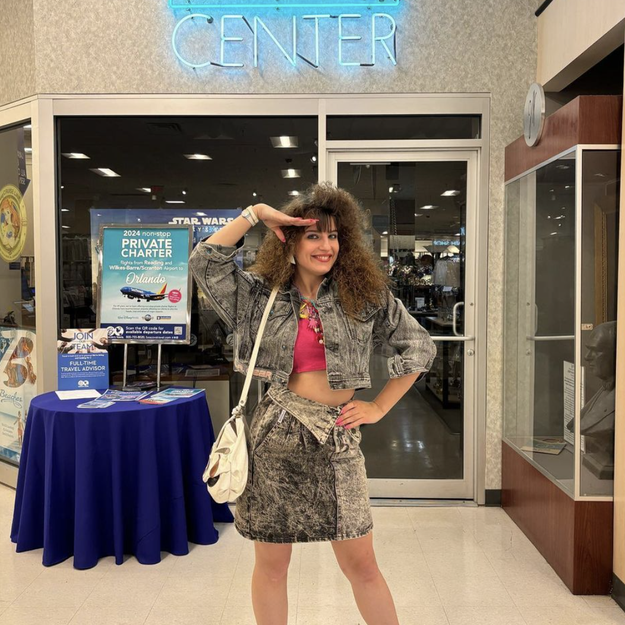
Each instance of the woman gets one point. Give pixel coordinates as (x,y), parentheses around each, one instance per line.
(307,479)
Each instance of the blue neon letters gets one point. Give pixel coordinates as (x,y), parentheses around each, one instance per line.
(353,49)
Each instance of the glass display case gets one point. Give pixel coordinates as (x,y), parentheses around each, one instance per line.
(560,318)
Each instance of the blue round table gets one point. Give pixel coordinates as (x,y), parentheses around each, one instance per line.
(120,480)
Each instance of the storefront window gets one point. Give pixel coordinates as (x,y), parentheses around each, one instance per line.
(18,353)
(402,127)
(152,170)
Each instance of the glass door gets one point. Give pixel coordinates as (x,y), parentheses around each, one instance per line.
(420,210)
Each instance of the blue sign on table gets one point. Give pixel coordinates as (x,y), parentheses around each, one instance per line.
(83,361)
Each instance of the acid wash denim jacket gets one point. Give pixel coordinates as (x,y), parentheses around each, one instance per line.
(239,298)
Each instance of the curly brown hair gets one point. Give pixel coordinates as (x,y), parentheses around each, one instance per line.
(358,273)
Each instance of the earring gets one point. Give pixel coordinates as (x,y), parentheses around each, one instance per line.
(292,259)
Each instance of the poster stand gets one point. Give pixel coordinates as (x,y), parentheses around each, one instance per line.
(158,368)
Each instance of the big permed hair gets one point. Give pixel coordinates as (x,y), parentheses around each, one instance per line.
(359,276)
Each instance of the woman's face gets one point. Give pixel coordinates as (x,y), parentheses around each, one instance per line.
(316,251)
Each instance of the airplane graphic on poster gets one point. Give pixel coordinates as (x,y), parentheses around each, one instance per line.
(132,292)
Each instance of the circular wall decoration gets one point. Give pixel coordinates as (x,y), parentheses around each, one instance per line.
(534,115)
(13,223)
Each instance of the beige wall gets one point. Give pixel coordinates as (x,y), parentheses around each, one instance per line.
(488,46)
(619,443)
(573,35)
(17,50)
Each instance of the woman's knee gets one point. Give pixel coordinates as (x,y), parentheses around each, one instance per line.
(360,571)
(273,560)
(357,560)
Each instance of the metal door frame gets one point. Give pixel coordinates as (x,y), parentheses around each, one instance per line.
(438,489)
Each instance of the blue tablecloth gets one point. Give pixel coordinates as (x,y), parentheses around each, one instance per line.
(120,480)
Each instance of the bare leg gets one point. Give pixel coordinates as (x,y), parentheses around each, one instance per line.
(269,596)
(373,598)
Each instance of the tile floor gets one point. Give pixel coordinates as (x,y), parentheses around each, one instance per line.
(445,566)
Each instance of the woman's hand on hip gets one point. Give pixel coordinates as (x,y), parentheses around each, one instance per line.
(357,412)
(274,219)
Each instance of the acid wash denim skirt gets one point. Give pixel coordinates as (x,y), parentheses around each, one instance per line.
(307,480)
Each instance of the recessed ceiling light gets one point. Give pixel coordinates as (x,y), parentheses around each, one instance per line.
(174,201)
(184,192)
(294,193)
(28,150)
(62,186)
(284,142)
(291,173)
(390,189)
(428,207)
(65,210)
(450,193)
(385,232)
(418,214)
(553,233)
(106,172)
(198,157)
(76,155)
(66,227)
(568,186)
(313,158)
(144,189)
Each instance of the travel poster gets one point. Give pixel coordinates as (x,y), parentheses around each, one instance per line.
(144,284)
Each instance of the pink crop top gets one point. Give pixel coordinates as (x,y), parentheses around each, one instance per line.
(309,354)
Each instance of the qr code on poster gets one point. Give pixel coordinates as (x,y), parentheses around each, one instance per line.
(178,330)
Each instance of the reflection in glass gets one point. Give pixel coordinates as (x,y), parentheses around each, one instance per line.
(540,378)
(158,181)
(600,221)
(401,127)
(417,227)
(18,342)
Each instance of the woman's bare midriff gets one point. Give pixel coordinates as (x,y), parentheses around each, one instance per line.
(314,385)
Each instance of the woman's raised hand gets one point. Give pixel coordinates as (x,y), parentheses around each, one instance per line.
(274,219)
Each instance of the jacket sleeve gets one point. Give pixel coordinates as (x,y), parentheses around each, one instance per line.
(224,283)
(396,327)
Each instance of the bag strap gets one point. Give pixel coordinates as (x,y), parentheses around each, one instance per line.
(259,336)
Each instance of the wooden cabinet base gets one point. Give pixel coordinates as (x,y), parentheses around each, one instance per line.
(575,537)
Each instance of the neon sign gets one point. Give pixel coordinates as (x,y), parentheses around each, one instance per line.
(233,40)
(280,4)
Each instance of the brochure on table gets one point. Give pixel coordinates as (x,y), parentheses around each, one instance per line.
(83,360)
(145,283)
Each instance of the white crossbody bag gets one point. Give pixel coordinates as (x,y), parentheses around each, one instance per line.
(226,471)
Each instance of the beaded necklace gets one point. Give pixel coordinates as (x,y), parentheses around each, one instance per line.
(308,310)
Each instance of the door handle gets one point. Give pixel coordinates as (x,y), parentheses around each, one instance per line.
(454,318)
